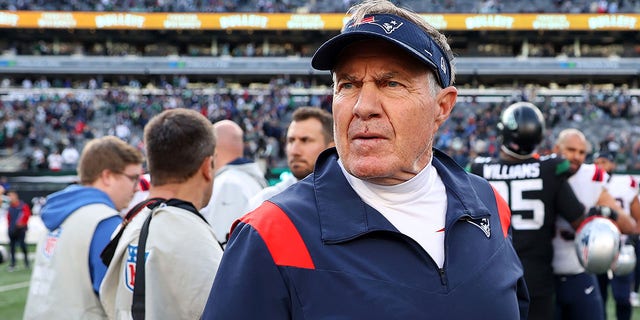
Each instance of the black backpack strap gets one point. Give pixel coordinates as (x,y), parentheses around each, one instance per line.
(137,307)
(110,249)
(138,207)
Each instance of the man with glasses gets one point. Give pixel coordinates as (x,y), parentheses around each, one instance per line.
(80,220)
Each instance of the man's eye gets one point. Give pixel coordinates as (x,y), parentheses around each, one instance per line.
(393,84)
(346,85)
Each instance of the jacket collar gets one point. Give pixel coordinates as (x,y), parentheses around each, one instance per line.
(334,194)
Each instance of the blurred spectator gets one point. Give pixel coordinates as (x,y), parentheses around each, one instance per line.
(39,123)
(55,160)
(335,6)
(18,215)
(38,160)
(70,156)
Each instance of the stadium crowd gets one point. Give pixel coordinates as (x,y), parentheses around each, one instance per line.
(102,47)
(282,6)
(47,129)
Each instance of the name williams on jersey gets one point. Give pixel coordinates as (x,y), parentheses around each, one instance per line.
(497,171)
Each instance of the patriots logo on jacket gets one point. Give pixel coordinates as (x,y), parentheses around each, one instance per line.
(50,244)
(482,224)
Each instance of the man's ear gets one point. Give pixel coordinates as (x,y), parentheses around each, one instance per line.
(446,100)
(107,177)
(206,167)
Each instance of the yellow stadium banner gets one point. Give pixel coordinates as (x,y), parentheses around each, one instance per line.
(289,21)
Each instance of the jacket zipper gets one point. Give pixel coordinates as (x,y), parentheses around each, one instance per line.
(443,278)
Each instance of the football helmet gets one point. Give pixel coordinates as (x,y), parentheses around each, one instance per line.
(626,262)
(597,244)
(521,128)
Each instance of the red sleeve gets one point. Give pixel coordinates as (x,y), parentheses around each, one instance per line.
(24,217)
(504,212)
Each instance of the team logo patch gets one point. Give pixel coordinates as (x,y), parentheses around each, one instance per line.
(443,65)
(130,267)
(52,241)
(388,26)
(482,224)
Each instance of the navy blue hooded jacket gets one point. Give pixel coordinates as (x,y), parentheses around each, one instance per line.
(317,251)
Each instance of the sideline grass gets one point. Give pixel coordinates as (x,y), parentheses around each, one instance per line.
(13,291)
(14,287)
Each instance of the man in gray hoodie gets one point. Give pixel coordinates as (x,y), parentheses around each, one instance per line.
(237,179)
(80,219)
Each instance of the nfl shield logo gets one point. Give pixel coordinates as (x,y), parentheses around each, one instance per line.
(130,267)
(50,244)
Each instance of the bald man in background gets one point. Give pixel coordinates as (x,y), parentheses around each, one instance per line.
(237,179)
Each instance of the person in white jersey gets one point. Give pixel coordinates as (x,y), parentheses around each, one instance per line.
(577,291)
(237,179)
(623,188)
(310,132)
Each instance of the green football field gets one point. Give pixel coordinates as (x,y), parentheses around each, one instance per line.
(14,286)
(13,291)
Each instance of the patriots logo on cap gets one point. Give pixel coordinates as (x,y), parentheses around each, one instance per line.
(388,27)
(443,65)
(482,224)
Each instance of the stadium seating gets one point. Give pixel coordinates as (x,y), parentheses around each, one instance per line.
(48,119)
(448,6)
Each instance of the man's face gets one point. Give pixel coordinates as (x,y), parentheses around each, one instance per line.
(13,197)
(573,149)
(606,164)
(385,112)
(305,141)
(126,184)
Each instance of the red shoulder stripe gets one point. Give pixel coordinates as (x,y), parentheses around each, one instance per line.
(503,211)
(634,183)
(280,235)
(598,175)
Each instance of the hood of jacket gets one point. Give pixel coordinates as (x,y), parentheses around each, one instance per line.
(63,203)
(247,166)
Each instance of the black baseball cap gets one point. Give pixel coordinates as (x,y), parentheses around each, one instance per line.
(397,30)
(604,154)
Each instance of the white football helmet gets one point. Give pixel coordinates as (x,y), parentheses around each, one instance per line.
(597,244)
(626,261)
